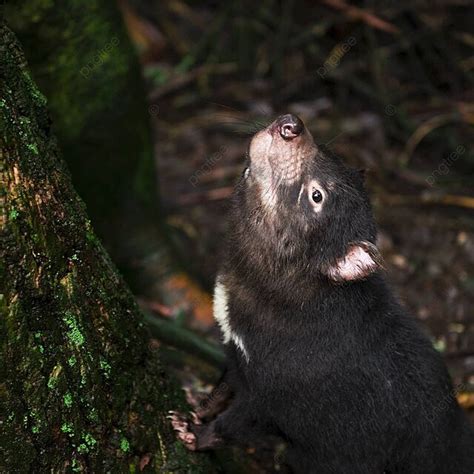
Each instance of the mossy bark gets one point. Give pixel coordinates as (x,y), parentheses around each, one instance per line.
(84,63)
(80,389)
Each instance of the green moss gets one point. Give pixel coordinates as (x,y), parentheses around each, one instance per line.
(74,333)
(90,440)
(72,361)
(32,147)
(52,382)
(34,91)
(91,237)
(82,448)
(67,428)
(105,366)
(25,122)
(75,466)
(35,420)
(124,445)
(68,401)
(93,416)
(13,214)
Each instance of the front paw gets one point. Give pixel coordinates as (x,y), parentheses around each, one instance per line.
(182,427)
(195,435)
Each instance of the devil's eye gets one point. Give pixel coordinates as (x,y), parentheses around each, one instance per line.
(317,196)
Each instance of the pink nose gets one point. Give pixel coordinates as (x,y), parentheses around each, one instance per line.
(290,126)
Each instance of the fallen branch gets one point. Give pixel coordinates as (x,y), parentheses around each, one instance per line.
(174,335)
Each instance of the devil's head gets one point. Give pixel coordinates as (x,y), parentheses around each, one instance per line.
(298,208)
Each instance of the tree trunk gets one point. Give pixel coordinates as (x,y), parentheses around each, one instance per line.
(80,389)
(83,61)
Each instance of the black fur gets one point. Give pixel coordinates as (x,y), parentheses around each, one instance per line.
(339,370)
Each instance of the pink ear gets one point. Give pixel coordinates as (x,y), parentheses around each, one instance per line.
(361,260)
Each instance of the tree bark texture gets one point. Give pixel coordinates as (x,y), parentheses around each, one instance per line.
(80,389)
(83,61)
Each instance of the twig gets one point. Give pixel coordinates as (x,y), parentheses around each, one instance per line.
(362,15)
(421,132)
(187,13)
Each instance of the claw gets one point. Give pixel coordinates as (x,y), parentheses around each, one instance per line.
(181,429)
(195,418)
(181,426)
(178,426)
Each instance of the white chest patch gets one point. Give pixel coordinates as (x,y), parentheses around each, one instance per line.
(221,315)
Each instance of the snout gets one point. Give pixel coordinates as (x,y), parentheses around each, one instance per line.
(279,153)
(289,126)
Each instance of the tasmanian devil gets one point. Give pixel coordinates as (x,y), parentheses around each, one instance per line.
(319,350)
